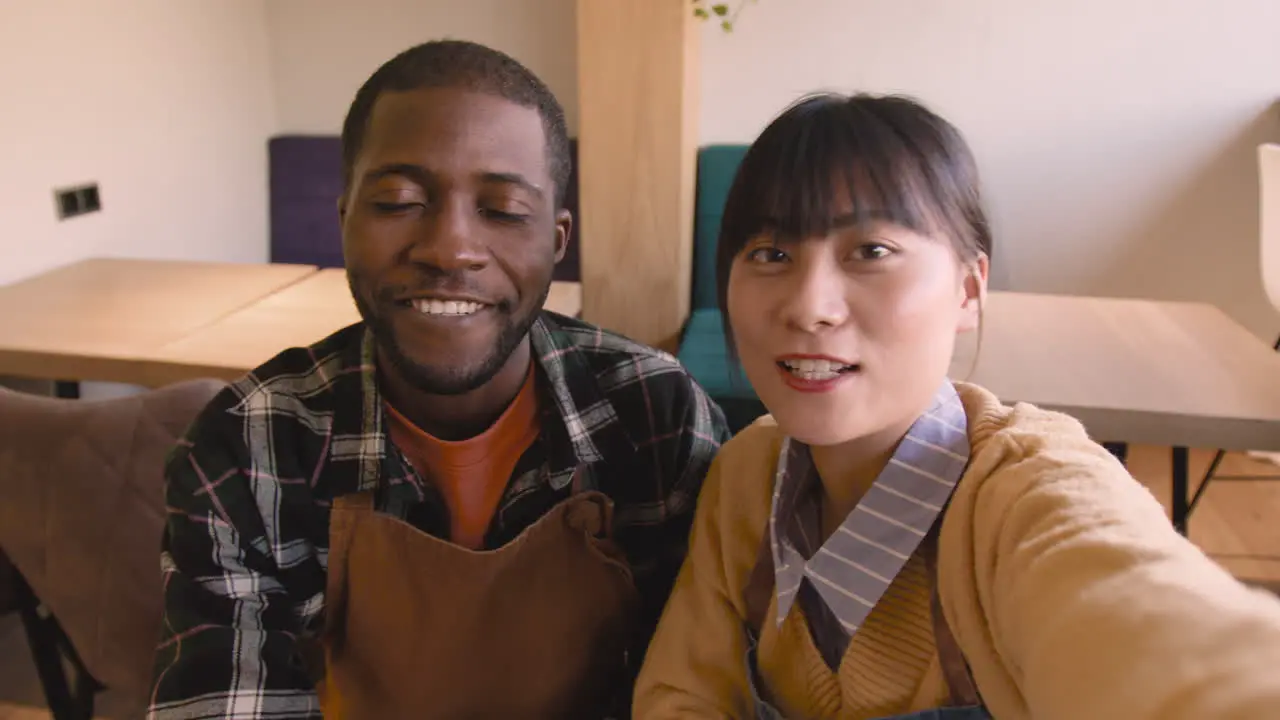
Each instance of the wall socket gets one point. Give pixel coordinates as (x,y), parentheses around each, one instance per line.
(70,202)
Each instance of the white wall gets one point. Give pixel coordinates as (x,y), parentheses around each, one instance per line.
(166,104)
(1116,136)
(323,50)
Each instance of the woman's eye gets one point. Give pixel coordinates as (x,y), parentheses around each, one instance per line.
(872,251)
(766,255)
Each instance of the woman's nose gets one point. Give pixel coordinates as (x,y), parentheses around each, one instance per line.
(817,298)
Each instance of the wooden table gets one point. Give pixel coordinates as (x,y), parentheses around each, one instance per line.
(296,316)
(1135,371)
(1140,371)
(90,320)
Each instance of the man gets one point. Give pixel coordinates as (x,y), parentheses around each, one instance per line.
(463,506)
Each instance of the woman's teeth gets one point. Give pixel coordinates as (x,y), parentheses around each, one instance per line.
(445,307)
(815,369)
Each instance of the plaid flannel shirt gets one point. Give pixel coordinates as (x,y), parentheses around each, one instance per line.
(250,488)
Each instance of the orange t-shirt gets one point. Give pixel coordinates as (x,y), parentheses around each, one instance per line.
(472,474)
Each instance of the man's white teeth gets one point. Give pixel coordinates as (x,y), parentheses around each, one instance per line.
(445,307)
(814,369)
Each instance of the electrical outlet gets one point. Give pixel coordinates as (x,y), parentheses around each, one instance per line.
(68,203)
(89,201)
(74,201)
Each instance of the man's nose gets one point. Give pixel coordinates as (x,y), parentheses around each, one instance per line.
(449,237)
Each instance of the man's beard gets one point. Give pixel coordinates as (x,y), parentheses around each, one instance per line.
(435,380)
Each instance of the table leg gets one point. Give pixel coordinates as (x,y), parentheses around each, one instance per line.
(1181,488)
(1119,449)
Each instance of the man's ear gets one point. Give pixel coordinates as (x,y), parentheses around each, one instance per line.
(974,293)
(564,224)
(342,208)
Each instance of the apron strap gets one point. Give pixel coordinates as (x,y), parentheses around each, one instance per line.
(310,646)
(354,501)
(758,591)
(342,521)
(955,669)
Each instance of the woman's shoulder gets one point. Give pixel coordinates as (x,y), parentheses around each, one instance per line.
(1020,428)
(752,454)
(762,430)
(741,479)
(1021,449)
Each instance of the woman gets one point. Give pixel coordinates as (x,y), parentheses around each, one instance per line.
(887,543)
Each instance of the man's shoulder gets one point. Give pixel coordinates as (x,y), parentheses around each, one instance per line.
(617,357)
(652,392)
(597,340)
(298,385)
(306,372)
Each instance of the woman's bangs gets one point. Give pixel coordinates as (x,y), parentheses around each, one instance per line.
(831,167)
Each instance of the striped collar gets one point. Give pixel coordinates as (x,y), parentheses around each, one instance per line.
(854,567)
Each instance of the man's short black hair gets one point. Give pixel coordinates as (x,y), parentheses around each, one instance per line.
(465,65)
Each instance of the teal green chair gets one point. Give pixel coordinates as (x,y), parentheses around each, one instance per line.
(702,345)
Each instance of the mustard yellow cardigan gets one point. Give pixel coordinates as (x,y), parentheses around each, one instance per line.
(1060,576)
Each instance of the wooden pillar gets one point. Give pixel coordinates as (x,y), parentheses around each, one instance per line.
(637,150)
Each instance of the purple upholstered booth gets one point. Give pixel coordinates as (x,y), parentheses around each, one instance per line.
(306,179)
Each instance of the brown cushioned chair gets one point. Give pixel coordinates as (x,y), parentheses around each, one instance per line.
(81,515)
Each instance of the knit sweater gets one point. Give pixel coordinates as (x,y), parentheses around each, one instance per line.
(1060,576)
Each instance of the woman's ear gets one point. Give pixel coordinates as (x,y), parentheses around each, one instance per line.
(974,289)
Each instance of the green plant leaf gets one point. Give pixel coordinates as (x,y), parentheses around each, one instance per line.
(726,26)
(700,14)
(720,9)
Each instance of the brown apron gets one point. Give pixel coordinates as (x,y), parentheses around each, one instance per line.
(417,627)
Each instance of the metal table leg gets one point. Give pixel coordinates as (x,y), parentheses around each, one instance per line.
(1182,508)
(1181,487)
(1119,449)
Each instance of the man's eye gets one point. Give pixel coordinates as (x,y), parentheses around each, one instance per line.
(390,208)
(502,216)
